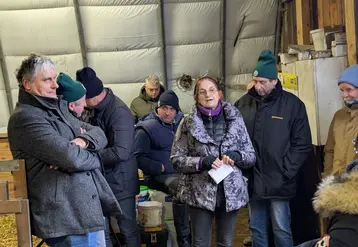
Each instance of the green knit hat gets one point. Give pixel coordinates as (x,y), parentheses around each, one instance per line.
(70,90)
(266,65)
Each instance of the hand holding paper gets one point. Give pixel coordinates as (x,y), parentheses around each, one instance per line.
(220,173)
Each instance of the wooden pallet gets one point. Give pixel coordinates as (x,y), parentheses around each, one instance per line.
(13,192)
(19,205)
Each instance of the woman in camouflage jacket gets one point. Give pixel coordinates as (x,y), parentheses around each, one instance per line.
(212,134)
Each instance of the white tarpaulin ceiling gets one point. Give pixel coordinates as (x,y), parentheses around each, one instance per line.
(125,40)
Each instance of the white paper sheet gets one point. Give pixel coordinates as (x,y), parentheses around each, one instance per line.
(220,173)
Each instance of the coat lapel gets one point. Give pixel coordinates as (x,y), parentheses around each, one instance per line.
(197,128)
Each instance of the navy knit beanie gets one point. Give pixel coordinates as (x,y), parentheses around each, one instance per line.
(169,98)
(91,82)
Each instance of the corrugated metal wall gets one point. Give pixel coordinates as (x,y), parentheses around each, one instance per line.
(125,40)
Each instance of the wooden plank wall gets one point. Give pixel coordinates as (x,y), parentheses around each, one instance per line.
(289,27)
(289,32)
(5,154)
(351,19)
(330,13)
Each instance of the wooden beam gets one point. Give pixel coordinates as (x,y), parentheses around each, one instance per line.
(351,15)
(4,195)
(320,13)
(9,165)
(303,20)
(20,183)
(23,225)
(10,207)
(336,12)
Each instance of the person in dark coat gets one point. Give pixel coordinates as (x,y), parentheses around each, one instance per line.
(120,166)
(153,143)
(67,192)
(278,127)
(337,199)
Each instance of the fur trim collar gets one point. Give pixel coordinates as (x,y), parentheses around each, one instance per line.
(337,194)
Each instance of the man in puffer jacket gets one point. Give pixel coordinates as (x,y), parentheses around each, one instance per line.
(153,143)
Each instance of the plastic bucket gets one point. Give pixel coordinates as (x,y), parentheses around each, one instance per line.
(149,213)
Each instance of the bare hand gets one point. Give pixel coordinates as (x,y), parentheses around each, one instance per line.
(217,163)
(80,142)
(227,160)
(83,131)
(53,167)
(163,168)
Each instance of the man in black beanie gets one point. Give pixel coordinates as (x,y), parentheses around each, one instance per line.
(120,165)
(154,137)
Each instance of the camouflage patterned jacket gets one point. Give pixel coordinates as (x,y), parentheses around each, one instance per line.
(192,142)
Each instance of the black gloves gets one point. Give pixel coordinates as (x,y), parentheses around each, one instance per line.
(235,156)
(207,162)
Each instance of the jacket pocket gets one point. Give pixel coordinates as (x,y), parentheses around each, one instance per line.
(282,165)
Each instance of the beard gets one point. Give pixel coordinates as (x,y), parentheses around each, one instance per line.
(349,100)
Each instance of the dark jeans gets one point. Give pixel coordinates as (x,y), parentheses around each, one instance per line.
(201,222)
(127,223)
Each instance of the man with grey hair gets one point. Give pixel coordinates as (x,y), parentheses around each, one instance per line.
(148,98)
(67,192)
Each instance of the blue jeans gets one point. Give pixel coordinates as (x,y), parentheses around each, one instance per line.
(276,210)
(91,239)
(201,222)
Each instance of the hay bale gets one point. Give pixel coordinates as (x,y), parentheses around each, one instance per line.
(8,237)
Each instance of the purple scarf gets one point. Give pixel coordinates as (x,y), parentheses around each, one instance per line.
(209,112)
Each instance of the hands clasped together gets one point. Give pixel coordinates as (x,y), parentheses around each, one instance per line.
(230,158)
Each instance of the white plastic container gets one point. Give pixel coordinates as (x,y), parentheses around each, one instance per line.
(319,40)
(149,213)
(166,200)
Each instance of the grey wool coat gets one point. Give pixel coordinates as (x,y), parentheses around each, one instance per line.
(192,142)
(73,198)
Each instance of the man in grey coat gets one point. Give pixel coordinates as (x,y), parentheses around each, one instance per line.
(67,192)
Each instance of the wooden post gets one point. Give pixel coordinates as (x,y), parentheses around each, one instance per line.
(4,195)
(24,238)
(20,181)
(303,20)
(351,15)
